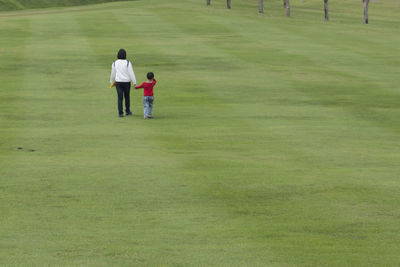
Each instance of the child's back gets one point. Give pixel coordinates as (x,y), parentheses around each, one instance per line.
(147,87)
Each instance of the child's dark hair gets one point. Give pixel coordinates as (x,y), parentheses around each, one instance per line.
(121,54)
(150,75)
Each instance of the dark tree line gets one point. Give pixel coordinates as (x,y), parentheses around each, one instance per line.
(286,5)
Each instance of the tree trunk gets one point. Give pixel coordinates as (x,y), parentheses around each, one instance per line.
(326,10)
(366,2)
(208,2)
(261,6)
(228,4)
(284,3)
(287,8)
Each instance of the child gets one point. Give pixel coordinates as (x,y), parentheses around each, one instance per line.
(148,97)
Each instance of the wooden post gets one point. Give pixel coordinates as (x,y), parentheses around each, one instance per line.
(228,4)
(208,2)
(261,6)
(366,2)
(287,8)
(326,10)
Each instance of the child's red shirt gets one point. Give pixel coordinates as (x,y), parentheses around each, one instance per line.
(147,87)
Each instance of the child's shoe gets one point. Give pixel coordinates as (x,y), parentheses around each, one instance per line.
(145,117)
(150,116)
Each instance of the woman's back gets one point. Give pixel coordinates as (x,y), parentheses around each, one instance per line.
(123,71)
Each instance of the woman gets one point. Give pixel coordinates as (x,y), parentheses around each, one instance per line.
(122,74)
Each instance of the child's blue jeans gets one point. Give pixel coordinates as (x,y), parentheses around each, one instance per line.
(148,105)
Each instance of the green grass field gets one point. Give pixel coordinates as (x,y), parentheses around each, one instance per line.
(276,140)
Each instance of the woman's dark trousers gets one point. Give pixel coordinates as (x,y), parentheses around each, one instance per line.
(123,90)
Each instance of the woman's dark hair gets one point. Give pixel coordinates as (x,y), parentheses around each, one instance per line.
(150,75)
(121,54)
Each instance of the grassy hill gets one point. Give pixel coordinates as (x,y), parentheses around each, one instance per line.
(276,141)
(23,4)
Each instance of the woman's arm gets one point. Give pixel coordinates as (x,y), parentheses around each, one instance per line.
(131,74)
(113,73)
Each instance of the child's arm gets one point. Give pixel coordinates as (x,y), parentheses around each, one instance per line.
(154,81)
(140,86)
